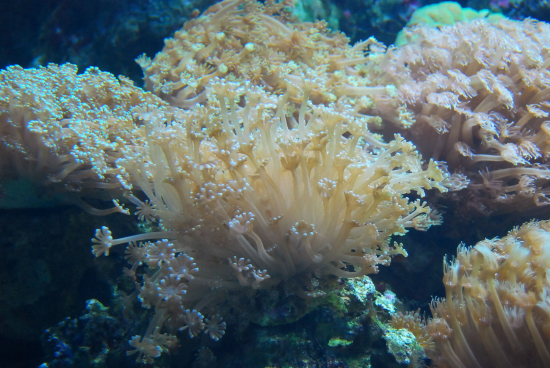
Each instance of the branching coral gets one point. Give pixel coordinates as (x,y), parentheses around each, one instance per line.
(497,312)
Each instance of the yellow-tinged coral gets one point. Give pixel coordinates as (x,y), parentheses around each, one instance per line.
(65,130)
(479,95)
(414,323)
(254,43)
(263,170)
(445,13)
(497,309)
(242,40)
(258,194)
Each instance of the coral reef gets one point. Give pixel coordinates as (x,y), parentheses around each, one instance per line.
(89,338)
(248,42)
(479,105)
(271,164)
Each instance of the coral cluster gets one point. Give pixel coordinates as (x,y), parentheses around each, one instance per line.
(457,93)
(63,130)
(496,313)
(477,93)
(259,44)
(255,164)
(251,42)
(446,13)
(250,195)
(252,183)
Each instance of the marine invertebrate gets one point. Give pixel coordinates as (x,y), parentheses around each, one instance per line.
(258,193)
(259,176)
(64,130)
(496,311)
(257,43)
(445,13)
(415,324)
(238,39)
(478,95)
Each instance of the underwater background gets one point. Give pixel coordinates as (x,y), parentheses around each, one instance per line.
(63,307)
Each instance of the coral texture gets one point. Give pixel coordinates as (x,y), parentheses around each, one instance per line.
(497,311)
(245,41)
(477,93)
(253,195)
(259,44)
(65,130)
(254,163)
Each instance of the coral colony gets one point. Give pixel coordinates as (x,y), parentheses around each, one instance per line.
(267,151)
